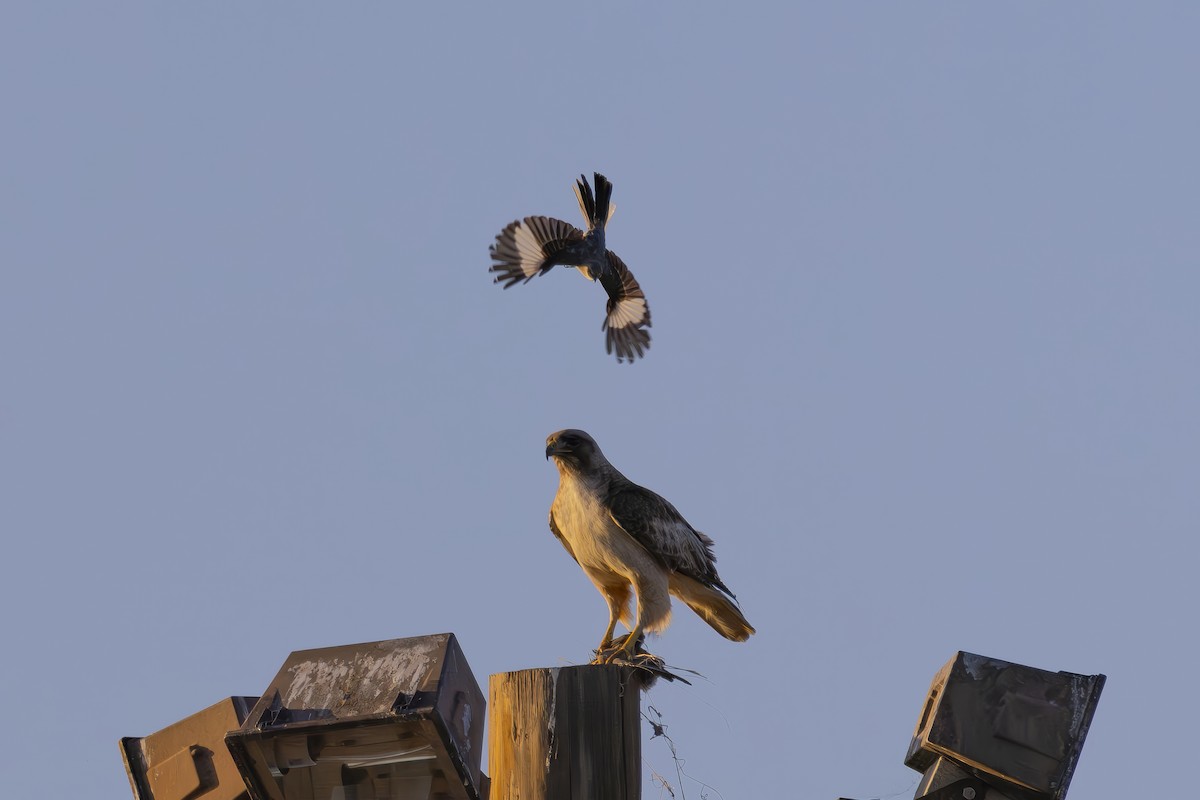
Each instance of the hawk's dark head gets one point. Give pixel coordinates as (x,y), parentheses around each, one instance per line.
(574,450)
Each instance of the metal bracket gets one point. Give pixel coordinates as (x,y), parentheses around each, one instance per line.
(965,789)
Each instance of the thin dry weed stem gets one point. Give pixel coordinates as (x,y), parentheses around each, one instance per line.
(660,729)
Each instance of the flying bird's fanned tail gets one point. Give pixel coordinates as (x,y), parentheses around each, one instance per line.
(713,607)
(628,314)
(596,208)
(524,248)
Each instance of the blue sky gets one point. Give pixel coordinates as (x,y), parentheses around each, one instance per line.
(924,285)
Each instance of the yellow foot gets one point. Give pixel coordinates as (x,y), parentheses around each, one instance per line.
(623,648)
(604,647)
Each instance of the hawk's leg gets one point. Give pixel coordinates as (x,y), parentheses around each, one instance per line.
(617,596)
(606,640)
(653,613)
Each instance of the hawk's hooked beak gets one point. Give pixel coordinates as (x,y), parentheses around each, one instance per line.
(553,449)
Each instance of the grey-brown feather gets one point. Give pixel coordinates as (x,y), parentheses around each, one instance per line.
(660,528)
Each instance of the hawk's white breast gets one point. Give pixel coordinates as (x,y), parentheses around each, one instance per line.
(599,544)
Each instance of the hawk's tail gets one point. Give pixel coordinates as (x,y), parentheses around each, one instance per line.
(596,208)
(713,607)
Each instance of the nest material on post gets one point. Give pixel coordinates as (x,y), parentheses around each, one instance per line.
(651,666)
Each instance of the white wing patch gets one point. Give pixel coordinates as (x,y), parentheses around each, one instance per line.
(627,311)
(529,250)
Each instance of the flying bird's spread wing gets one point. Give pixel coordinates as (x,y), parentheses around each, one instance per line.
(527,247)
(628,314)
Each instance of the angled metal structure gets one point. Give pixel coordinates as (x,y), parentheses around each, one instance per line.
(400,719)
(188,760)
(1018,730)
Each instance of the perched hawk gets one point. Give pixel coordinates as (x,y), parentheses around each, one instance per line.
(533,245)
(627,538)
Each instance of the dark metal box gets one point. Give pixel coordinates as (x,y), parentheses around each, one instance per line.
(398,719)
(1018,728)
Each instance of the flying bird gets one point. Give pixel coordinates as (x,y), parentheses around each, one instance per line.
(628,539)
(532,246)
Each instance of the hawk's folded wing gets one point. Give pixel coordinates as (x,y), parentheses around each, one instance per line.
(656,525)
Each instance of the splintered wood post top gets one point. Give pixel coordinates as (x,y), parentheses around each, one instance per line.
(565,733)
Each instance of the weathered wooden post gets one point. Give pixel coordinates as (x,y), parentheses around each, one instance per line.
(567,733)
